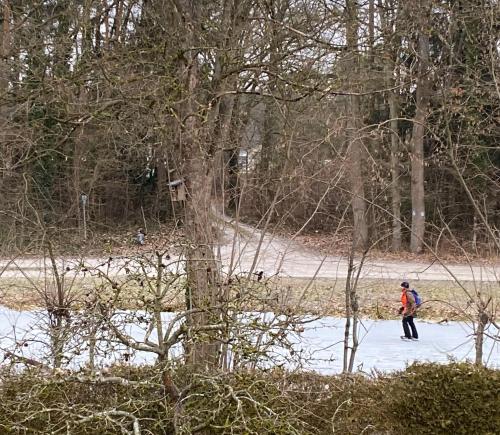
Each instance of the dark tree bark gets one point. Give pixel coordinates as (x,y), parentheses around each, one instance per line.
(354,158)
(418,134)
(390,29)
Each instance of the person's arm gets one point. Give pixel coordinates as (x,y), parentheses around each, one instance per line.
(403,304)
(411,305)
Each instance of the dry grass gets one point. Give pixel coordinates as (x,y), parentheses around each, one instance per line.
(27,294)
(378,299)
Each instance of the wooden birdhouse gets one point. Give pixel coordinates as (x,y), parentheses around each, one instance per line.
(177,190)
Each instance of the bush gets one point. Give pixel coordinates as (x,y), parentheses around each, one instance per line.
(445,399)
(34,402)
(424,399)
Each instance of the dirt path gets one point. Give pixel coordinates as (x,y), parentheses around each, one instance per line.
(287,258)
(244,249)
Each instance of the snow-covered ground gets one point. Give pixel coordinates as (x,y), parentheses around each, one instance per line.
(320,344)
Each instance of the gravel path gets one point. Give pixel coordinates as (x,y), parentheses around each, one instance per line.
(244,249)
(284,256)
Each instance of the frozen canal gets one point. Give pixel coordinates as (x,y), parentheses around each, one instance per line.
(381,347)
(320,344)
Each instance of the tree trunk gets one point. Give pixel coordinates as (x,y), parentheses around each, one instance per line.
(354,158)
(482,321)
(390,23)
(352,313)
(5,47)
(395,187)
(7,152)
(5,51)
(221,138)
(162,198)
(201,293)
(273,123)
(202,345)
(417,141)
(206,112)
(221,114)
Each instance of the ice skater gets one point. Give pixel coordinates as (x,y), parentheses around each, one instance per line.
(408,311)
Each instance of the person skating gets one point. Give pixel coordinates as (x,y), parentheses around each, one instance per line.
(408,310)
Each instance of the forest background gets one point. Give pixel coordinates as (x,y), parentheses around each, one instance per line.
(377,117)
(362,127)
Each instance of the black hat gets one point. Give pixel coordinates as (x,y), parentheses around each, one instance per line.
(405,284)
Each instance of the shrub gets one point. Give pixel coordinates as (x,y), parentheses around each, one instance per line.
(424,399)
(444,399)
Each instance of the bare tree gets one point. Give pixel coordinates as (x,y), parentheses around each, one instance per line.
(354,160)
(390,22)
(419,127)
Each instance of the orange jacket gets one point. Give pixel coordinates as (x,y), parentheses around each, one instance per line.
(408,302)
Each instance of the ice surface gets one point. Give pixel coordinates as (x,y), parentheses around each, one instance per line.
(381,347)
(320,344)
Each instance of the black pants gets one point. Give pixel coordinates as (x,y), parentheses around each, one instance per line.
(408,321)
